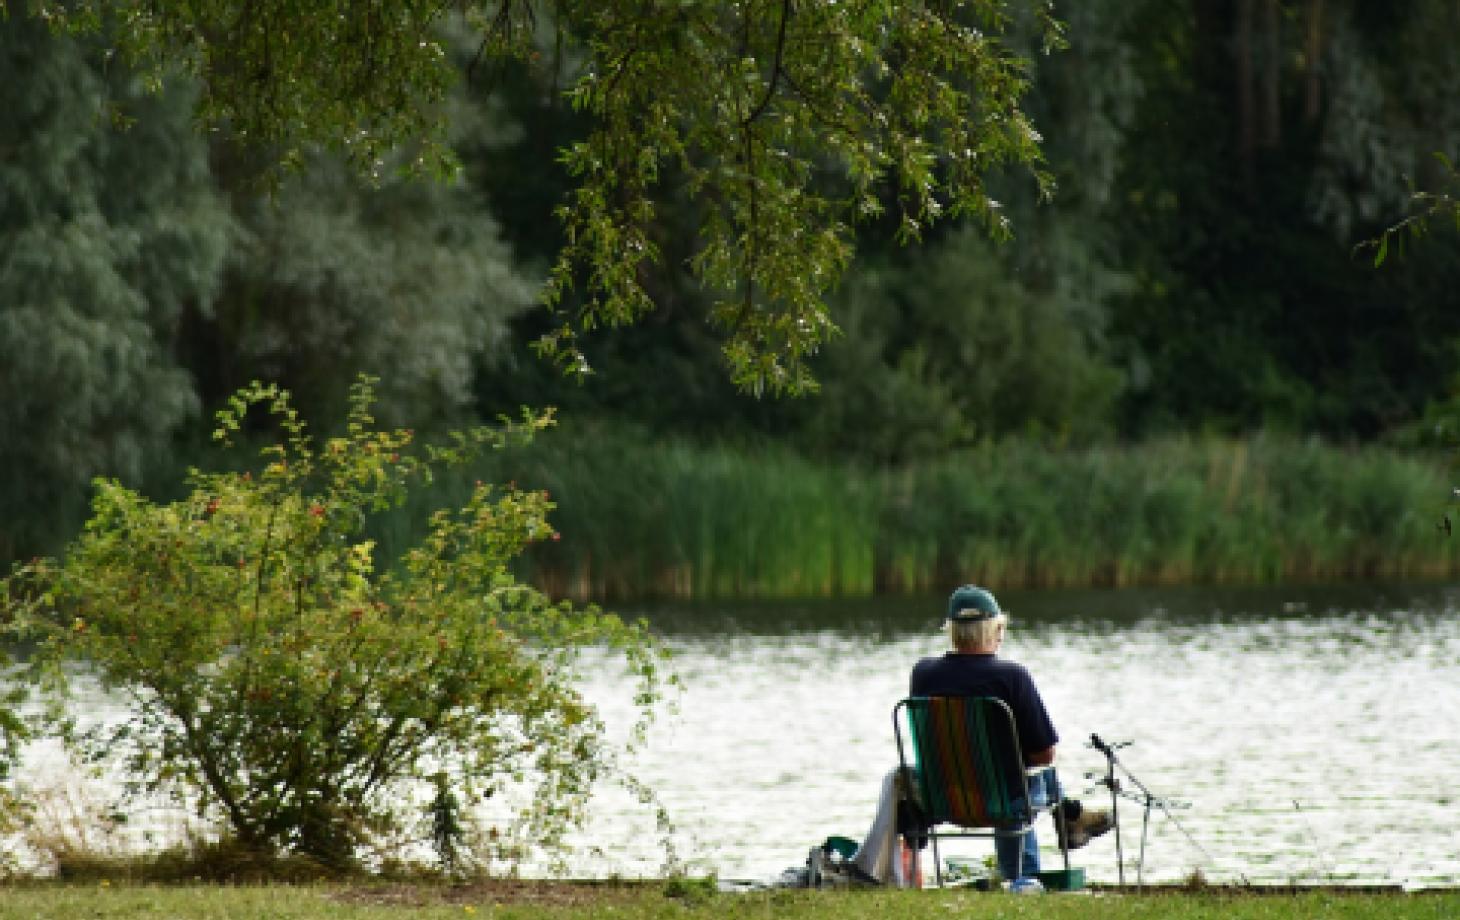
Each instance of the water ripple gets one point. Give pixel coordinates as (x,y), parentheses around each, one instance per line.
(1308,749)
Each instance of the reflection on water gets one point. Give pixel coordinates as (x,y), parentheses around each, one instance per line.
(1302,735)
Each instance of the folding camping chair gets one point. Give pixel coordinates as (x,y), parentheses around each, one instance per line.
(967,770)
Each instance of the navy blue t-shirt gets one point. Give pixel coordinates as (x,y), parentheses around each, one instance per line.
(957,674)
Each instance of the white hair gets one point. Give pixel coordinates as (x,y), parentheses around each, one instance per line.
(970,635)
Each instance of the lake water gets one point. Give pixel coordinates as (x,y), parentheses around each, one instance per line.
(1307,735)
(1302,735)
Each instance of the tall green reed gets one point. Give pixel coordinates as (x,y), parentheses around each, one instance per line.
(1174,510)
(646,517)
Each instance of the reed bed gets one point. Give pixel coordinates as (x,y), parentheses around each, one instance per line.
(1173,511)
(643,517)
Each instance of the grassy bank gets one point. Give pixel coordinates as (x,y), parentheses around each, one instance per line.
(653,901)
(644,518)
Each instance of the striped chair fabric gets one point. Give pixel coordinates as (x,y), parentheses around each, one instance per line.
(967,761)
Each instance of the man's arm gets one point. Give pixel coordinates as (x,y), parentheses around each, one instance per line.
(1040,758)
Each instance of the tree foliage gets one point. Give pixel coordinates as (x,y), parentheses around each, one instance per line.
(331,278)
(1217,162)
(784,119)
(283,680)
(1426,207)
(107,238)
(145,273)
(1271,137)
(950,348)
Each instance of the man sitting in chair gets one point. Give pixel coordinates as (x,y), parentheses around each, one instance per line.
(976,630)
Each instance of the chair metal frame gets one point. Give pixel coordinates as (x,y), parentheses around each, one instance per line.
(973,744)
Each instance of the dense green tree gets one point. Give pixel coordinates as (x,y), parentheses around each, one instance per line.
(1216,164)
(888,388)
(1387,110)
(146,272)
(782,119)
(1271,138)
(950,348)
(332,277)
(107,237)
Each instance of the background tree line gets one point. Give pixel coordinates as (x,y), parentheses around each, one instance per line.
(1217,162)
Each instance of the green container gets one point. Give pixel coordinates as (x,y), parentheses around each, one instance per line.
(845,847)
(1071,879)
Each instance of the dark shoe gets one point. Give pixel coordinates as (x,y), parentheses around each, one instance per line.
(843,874)
(861,878)
(1091,824)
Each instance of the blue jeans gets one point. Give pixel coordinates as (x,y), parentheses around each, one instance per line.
(1017,858)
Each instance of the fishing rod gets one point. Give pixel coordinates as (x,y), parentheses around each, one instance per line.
(1148,801)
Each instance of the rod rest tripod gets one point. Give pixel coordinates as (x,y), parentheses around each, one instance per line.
(1140,794)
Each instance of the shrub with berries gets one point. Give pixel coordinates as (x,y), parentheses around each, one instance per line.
(281,678)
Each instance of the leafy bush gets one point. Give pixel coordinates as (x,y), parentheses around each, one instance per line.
(279,680)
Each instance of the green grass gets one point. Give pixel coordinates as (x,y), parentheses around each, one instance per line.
(652,901)
(665,518)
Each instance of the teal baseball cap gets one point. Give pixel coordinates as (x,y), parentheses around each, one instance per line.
(970,602)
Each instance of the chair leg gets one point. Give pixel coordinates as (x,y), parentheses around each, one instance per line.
(1062,834)
(937,860)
